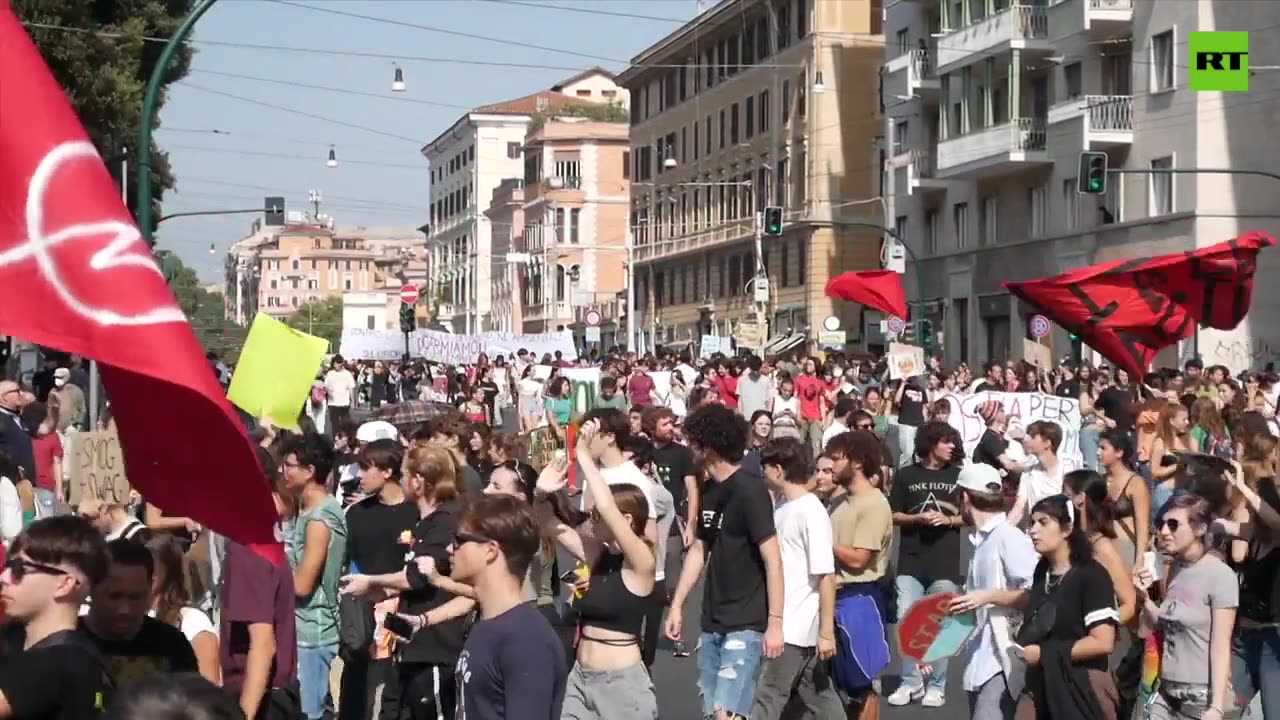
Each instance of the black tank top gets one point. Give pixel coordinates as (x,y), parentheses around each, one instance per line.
(608,604)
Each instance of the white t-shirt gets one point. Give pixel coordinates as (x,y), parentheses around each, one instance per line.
(780,404)
(628,474)
(837,428)
(1037,483)
(339,383)
(192,622)
(804,541)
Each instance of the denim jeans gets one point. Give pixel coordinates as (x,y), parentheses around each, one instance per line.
(729,666)
(1255,669)
(313,677)
(910,591)
(1089,438)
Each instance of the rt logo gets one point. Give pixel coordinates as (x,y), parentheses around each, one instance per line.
(1219,61)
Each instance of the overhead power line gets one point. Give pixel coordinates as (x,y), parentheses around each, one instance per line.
(589,11)
(286,156)
(325,88)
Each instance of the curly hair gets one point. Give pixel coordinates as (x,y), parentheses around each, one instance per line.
(716,428)
(934,432)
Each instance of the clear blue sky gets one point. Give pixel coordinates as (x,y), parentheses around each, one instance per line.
(228,170)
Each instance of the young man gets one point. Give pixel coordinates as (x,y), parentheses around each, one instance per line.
(927,511)
(609,396)
(513,664)
(316,555)
(452,431)
(341,387)
(736,543)
(862,531)
(47,669)
(607,450)
(1003,559)
(257,633)
(809,590)
(114,520)
(755,390)
(674,469)
(1042,475)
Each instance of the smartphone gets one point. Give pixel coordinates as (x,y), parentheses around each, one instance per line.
(1149,563)
(570,577)
(397,626)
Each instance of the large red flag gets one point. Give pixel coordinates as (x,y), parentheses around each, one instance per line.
(1128,310)
(75,274)
(877,289)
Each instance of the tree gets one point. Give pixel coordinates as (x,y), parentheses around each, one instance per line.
(205,310)
(322,318)
(104,71)
(596,112)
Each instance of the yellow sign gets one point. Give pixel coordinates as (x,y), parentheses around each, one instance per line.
(97,468)
(277,367)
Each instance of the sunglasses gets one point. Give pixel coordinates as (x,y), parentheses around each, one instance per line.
(864,426)
(461,538)
(20,568)
(1172,523)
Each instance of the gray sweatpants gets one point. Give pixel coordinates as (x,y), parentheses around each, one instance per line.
(799,673)
(992,701)
(625,694)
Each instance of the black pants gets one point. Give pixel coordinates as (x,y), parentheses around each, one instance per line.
(653,622)
(367,684)
(427,692)
(1129,676)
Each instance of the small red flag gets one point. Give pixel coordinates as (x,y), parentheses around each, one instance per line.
(75,274)
(877,289)
(1128,310)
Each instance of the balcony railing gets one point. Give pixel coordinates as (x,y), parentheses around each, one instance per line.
(1014,23)
(726,232)
(1120,5)
(1109,113)
(1018,135)
(564,182)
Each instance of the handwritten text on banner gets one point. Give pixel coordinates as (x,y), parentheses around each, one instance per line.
(449,349)
(1023,409)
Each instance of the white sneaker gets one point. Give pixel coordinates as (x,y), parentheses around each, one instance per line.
(904,695)
(934,697)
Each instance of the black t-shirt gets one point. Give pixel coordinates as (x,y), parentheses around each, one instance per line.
(62,677)
(1117,404)
(513,666)
(432,536)
(672,464)
(911,409)
(989,449)
(1069,389)
(925,551)
(988,386)
(373,535)
(1082,599)
(157,648)
(736,516)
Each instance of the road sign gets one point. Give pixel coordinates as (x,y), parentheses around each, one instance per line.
(593,318)
(1039,326)
(896,325)
(593,333)
(408,294)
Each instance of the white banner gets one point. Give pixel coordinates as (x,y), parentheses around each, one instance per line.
(1023,409)
(448,349)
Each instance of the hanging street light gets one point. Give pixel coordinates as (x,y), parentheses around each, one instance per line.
(818,87)
(397,84)
(333,158)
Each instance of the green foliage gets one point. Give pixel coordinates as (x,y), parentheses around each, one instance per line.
(597,112)
(322,318)
(205,310)
(104,73)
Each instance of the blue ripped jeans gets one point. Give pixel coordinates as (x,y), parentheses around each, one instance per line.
(729,666)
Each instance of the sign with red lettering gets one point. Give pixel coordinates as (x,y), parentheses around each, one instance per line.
(929,633)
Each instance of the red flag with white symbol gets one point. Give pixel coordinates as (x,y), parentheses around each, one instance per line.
(76,275)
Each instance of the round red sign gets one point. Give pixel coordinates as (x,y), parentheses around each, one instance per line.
(408,294)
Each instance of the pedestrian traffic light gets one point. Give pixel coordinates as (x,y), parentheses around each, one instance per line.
(1092,178)
(773,221)
(407,320)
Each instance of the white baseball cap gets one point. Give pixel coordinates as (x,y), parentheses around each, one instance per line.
(377,430)
(980,478)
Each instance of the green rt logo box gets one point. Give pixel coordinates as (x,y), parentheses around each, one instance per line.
(1219,61)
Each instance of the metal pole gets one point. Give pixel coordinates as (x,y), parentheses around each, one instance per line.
(149,102)
(631,293)
(911,255)
(1194,171)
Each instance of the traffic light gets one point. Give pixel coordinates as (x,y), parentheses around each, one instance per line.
(924,333)
(1092,177)
(407,321)
(773,221)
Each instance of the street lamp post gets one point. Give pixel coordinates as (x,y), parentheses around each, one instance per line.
(149,102)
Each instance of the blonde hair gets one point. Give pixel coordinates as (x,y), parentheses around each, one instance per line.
(438,470)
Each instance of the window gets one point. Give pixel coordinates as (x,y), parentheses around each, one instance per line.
(559,225)
(696,145)
(708,135)
(1037,211)
(722,130)
(684,144)
(785,270)
(764,111)
(960,218)
(1072,78)
(369,323)
(609,93)
(626,164)
(900,228)
(900,129)
(1070,204)
(295,264)
(574,221)
(513,150)
(733,124)
(273,285)
(931,232)
(988,221)
(1162,61)
(751,117)
(1161,184)
(904,41)
(786,101)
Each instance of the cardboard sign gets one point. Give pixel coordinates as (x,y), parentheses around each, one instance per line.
(1036,354)
(97,468)
(905,361)
(929,632)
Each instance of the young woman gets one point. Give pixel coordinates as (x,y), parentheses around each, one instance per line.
(379,385)
(474,407)
(1093,422)
(1210,433)
(761,432)
(1069,621)
(609,679)
(1196,616)
(171,602)
(527,390)
(1129,497)
(478,455)
(559,407)
(786,411)
(1173,434)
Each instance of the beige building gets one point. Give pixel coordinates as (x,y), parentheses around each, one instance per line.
(468,163)
(990,104)
(769,104)
(505,215)
(575,214)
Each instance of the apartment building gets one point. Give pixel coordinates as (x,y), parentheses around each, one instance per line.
(576,206)
(468,163)
(989,104)
(755,103)
(505,215)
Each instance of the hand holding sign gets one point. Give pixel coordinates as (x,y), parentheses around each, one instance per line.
(929,632)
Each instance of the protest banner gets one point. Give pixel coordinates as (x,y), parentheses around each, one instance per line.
(1039,355)
(451,349)
(97,468)
(905,361)
(1023,409)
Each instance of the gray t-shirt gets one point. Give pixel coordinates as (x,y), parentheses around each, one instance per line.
(1186,617)
(752,394)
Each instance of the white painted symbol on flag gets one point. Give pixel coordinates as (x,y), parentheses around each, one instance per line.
(116,254)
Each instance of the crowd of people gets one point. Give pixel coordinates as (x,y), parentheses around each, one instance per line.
(433,571)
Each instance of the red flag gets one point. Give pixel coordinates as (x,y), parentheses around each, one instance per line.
(877,289)
(1128,310)
(75,274)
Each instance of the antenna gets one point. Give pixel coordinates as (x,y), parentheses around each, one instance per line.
(315,197)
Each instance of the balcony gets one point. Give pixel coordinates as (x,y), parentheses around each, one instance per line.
(722,234)
(1018,27)
(910,75)
(1101,19)
(916,173)
(1008,147)
(563,182)
(1106,120)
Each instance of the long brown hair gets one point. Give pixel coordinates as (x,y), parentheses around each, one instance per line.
(1164,425)
(171,569)
(1206,415)
(436,468)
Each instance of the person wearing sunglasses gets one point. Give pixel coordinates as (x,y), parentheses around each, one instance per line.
(48,669)
(1196,616)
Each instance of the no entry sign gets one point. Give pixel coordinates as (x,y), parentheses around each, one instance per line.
(408,294)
